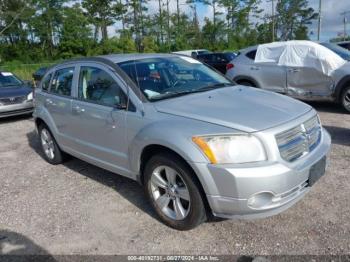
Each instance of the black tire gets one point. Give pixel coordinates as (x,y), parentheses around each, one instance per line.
(246,83)
(59,156)
(345,98)
(196,211)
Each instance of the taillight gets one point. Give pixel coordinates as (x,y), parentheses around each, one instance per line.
(229,66)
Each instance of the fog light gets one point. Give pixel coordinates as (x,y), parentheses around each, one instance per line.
(261,200)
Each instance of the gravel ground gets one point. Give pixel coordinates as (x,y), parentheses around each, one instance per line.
(77,208)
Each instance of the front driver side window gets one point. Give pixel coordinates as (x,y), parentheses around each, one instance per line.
(97,86)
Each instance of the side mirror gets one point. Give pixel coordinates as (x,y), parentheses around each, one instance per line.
(121,106)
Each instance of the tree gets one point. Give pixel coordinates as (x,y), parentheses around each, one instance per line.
(76,38)
(293,18)
(47,23)
(101,14)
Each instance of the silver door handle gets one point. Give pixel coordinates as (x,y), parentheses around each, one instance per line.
(78,109)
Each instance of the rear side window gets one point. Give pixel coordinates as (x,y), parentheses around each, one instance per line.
(96,85)
(62,82)
(251,54)
(46,82)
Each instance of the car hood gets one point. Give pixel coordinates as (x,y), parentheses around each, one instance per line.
(14,91)
(239,107)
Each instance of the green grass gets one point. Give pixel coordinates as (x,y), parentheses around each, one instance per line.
(23,71)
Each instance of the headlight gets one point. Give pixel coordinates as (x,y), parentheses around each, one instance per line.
(30,96)
(231,149)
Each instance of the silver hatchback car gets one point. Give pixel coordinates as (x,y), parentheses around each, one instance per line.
(198,144)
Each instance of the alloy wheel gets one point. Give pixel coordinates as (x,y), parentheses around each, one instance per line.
(47,144)
(170,192)
(347,99)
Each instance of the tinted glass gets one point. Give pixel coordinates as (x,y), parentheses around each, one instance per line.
(96,85)
(62,82)
(46,82)
(342,52)
(251,54)
(220,58)
(230,56)
(9,80)
(203,52)
(160,78)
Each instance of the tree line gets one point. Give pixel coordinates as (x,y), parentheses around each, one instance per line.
(44,30)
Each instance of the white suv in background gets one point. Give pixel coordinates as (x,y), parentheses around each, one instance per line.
(301,69)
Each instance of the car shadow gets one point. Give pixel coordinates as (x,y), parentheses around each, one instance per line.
(340,135)
(17,247)
(327,107)
(128,188)
(11,119)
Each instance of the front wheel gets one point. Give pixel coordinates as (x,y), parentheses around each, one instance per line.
(345,99)
(174,192)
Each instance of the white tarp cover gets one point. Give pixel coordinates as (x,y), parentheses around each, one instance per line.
(300,53)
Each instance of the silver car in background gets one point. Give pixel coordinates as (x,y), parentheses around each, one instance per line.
(16,98)
(197,143)
(300,82)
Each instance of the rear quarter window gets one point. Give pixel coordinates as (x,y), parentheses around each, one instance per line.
(251,55)
(45,85)
(62,82)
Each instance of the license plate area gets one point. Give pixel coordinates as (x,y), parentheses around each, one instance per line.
(317,171)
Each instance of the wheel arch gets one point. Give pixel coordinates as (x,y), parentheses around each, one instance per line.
(153,149)
(344,82)
(241,78)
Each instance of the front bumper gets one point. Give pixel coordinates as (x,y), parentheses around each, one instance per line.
(261,191)
(16,109)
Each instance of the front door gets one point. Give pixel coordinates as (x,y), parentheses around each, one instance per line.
(308,82)
(99,127)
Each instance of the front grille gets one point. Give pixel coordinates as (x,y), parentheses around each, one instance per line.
(12,100)
(300,140)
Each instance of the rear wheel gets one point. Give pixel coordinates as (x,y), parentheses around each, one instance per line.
(174,192)
(49,146)
(345,99)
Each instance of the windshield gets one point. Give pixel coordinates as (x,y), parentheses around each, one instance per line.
(342,52)
(9,80)
(161,78)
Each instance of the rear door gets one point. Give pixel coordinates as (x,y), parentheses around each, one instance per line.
(99,120)
(307,82)
(58,101)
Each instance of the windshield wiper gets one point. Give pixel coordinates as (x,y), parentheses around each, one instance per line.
(214,86)
(192,91)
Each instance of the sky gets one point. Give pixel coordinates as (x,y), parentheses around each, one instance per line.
(331,25)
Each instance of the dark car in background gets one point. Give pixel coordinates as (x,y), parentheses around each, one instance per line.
(219,61)
(38,75)
(344,44)
(340,51)
(16,97)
